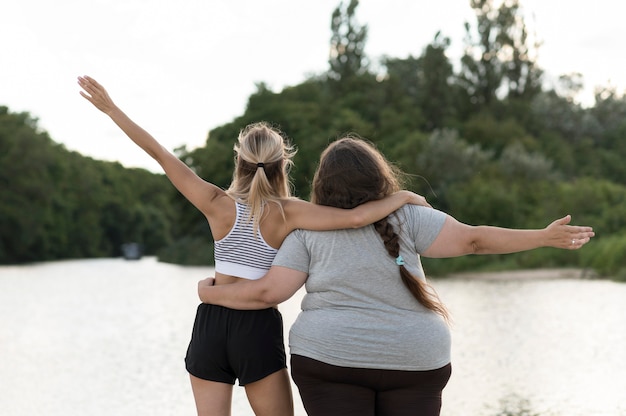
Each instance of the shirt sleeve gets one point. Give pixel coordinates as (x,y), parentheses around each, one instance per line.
(426,224)
(293,253)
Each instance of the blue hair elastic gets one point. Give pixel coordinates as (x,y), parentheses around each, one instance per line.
(399,261)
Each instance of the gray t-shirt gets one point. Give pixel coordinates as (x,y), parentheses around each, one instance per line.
(357,312)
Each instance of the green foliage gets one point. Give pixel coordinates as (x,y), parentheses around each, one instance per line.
(443,160)
(486,130)
(484,144)
(347,58)
(189,251)
(606,256)
(424,84)
(498,59)
(518,163)
(595,202)
(58,204)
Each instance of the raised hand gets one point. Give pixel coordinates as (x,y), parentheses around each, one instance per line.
(96,94)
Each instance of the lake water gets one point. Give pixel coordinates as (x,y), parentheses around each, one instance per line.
(108,337)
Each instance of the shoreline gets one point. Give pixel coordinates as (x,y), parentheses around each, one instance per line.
(526,274)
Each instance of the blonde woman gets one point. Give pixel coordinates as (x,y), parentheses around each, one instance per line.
(249,222)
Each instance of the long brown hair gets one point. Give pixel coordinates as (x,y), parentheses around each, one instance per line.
(352,171)
(263,157)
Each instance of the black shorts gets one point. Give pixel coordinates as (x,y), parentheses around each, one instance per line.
(229,344)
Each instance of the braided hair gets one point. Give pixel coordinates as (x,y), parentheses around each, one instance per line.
(420,289)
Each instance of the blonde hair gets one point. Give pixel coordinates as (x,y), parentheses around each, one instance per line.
(263,158)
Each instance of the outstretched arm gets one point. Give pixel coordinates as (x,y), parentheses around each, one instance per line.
(195,189)
(458,239)
(308,216)
(278,285)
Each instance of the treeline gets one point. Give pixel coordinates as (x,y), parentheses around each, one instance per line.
(488,142)
(57,204)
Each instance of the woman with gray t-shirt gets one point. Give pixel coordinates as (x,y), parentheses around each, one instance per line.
(372,337)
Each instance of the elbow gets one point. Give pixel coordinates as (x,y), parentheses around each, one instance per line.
(474,241)
(268,299)
(474,248)
(272,296)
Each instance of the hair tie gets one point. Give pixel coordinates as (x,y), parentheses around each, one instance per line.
(399,261)
(260,165)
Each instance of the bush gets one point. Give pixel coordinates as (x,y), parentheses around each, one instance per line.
(606,256)
(188,251)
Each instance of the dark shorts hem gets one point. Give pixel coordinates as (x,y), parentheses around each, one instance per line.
(254,379)
(228,345)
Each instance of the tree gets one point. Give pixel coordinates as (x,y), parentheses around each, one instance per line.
(446,159)
(57,204)
(437,98)
(347,43)
(425,81)
(500,63)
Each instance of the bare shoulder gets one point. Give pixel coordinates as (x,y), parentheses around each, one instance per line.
(281,209)
(295,209)
(277,221)
(222,215)
(293,205)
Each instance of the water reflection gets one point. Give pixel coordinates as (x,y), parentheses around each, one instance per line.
(556,343)
(108,337)
(514,405)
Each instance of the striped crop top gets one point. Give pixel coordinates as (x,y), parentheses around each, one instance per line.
(241,253)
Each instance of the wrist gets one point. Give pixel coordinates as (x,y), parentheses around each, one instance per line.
(202,294)
(113,112)
(545,238)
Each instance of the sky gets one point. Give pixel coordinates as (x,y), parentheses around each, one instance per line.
(180,69)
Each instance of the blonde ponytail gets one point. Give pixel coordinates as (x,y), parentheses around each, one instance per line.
(262,162)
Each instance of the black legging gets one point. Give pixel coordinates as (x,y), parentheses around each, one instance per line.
(328,390)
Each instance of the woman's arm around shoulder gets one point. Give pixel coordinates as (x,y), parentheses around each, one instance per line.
(198,191)
(308,216)
(458,239)
(278,285)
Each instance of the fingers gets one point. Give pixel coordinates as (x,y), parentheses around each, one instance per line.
(87,79)
(575,236)
(88,84)
(579,239)
(419,200)
(95,94)
(88,91)
(578,243)
(208,281)
(565,220)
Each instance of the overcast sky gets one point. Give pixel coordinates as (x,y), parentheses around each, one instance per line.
(182,68)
